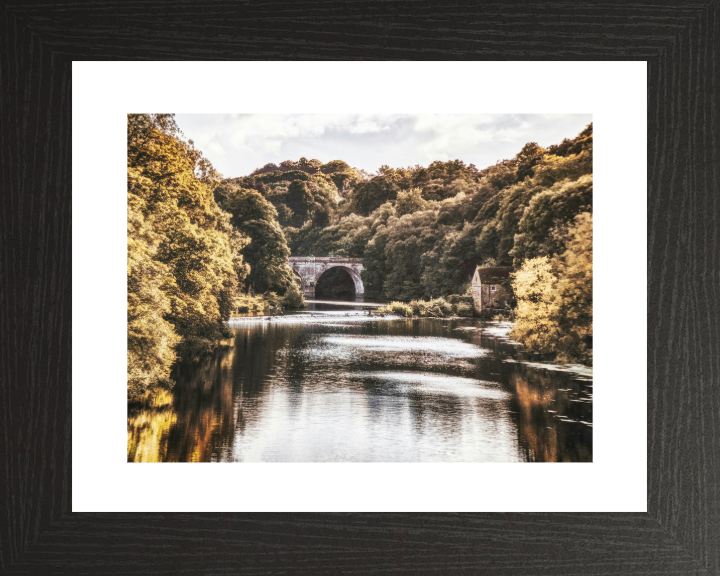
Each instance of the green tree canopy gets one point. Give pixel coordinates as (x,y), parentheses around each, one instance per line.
(267,253)
(183,255)
(409,201)
(517,209)
(547,217)
(554,312)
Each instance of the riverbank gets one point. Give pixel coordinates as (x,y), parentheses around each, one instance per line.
(268,312)
(435,308)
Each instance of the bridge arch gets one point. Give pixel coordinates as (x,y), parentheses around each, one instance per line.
(311,268)
(338,282)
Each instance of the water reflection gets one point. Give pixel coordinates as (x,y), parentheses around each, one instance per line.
(344,386)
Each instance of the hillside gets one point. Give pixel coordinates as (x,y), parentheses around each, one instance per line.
(421,229)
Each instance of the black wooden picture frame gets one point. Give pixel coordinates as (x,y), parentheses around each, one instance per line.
(680,533)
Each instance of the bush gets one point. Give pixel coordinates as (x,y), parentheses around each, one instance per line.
(293,298)
(398,308)
(193,348)
(464,309)
(460,299)
(440,307)
(272,298)
(437,308)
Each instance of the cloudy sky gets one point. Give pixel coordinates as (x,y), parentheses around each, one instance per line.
(237,144)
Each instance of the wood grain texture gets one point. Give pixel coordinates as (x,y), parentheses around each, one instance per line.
(681,532)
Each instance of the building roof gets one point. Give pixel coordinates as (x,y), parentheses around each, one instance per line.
(494,274)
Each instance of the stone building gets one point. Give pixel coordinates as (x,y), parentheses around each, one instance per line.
(487,289)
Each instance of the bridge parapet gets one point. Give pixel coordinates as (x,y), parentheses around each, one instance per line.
(326,259)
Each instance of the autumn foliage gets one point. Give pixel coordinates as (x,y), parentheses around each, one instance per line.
(554,299)
(184,261)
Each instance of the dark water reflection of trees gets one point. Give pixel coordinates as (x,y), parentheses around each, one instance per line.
(400,390)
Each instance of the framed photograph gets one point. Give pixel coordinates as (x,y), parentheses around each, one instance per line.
(112,461)
(426,368)
(363,316)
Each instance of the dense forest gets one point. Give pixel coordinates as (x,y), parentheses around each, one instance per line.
(200,246)
(434,223)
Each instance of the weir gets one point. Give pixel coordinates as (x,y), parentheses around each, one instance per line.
(339,303)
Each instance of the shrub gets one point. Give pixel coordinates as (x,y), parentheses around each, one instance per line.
(460,299)
(193,348)
(464,309)
(398,308)
(444,306)
(419,307)
(272,298)
(437,307)
(293,297)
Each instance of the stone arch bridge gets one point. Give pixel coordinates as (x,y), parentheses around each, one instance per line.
(311,269)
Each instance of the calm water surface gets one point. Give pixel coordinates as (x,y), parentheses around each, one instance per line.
(338,386)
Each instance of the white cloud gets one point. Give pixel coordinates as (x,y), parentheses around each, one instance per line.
(239,143)
(367,128)
(213,149)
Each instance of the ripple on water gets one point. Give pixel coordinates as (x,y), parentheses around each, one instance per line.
(316,317)
(500,331)
(579,372)
(437,384)
(444,346)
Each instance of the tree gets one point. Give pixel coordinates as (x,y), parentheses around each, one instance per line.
(410,201)
(409,237)
(267,253)
(536,324)
(335,166)
(526,159)
(151,338)
(183,261)
(370,195)
(554,311)
(374,263)
(293,297)
(299,198)
(547,217)
(575,290)
(444,268)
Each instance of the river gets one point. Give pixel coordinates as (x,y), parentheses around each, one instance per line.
(341,386)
